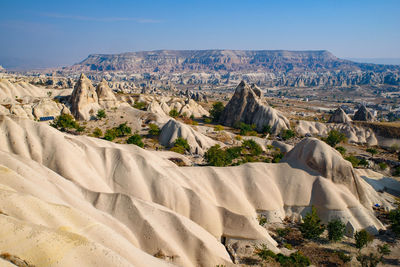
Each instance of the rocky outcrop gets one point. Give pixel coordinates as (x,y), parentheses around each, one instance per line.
(270,68)
(173,129)
(314,154)
(47,107)
(191,108)
(84,101)
(246,106)
(339,116)
(363,114)
(105,95)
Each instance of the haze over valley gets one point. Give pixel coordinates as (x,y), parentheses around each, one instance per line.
(215,134)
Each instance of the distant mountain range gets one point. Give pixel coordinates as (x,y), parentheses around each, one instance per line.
(245,61)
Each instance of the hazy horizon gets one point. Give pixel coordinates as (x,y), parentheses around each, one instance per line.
(60,33)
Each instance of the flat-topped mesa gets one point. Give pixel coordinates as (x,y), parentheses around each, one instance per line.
(106,96)
(84,100)
(339,116)
(363,114)
(246,106)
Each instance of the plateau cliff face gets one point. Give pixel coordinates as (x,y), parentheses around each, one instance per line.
(270,67)
(222,60)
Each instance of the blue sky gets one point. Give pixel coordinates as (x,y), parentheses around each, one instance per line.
(59,33)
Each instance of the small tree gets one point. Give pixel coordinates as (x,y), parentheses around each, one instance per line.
(334,138)
(362,238)
(135,139)
(287,134)
(341,149)
(353,160)
(382,165)
(394,218)
(110,134)
(336,229)
(372,151)
(101,114)
(64,122)
(218,128)
(312,227)
(97,132)
(139,105)
(154,130)
(180,145)
(266,129)
(252,147)
(215,156)
(216,111)
(174,113)
(123,130)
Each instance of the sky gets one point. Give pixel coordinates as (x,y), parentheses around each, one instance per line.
(54,33)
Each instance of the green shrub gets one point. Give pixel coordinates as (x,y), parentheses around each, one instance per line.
(363,162)
(336,229)
(252,147)
(277,157)
(282,232)
(353,160)
(245,129)
(345,258)
(288,246)
(135,139)
(123,130)
(174,113)
(296,259)
(262,220)
(110,134)
(371,260)
(312,227)
(287,134)
(218,128)
(266,129)
(180,145)
(154,130)
(341,149)
(396,171)
(180,141)
(362,238)
(64,122)
(238,137)
(384,249)
(233,153)
(394,218)
(382,165)
(101,114)
(97,132)
(334,138)
(215,156)
(178,149)
(139,105)
(264,253)
(216,111)
(207,120)
(373,151)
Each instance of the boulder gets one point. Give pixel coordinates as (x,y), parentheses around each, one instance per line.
(192,108)
(246,106)
(339,116)
(84,100)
